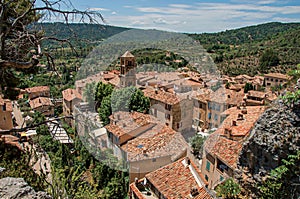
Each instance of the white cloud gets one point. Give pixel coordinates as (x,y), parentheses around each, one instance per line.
(208,17)
(99,9)
(113,13)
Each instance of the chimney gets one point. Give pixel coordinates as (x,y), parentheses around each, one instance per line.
(227,132)
(194,191)
(187,161)
(233,123)
(240,116)
(244,110)
(156,90)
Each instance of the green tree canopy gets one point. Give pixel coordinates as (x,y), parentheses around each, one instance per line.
(102,90)
(229,189)
(283,181)
(268,58)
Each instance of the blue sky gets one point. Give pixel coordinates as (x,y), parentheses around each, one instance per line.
(192,15)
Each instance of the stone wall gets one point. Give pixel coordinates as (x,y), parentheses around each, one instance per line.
(17,188)
(275,136)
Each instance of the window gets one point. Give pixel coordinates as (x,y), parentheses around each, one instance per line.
(200,105)
(155,112)
(216,117)
(209,116)
(167,116)
(168,107)
(207,165)
(221,178)
(218,107)
(206,178)
(209,105)
(179,125)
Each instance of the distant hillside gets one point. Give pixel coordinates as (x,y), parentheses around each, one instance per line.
(245,35)
(241,50)
(83,32)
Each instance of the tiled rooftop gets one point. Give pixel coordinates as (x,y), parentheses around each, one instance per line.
(257,94)
(143,136)
(277,75)
(227,96)
(176,181)
(40,101)
(38,89)
(71,94)
(222,142)
(159,141)
(162,96)
(108,77)
(124,122)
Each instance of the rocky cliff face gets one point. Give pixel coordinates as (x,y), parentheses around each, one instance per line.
(17,188)
(275,135)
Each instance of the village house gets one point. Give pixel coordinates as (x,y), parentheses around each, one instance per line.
(275,79)
(107,77)
(173,109)
(180,179)
(259,98)
(6,121)
(209,106)
(38,91)
(222,148)
(42,105)
(70,98)
(145,143)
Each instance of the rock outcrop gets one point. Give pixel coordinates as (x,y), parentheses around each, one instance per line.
(275,136)
(17,188)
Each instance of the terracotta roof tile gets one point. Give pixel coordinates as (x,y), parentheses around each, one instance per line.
(277,75)
(258,94)
(143,136)
(40,101)
(225,146)
(71,94)
(127,54)
(159,95)
(176,181)
(38,89)
(227,96)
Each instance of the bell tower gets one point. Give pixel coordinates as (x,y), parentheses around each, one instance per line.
(128,70)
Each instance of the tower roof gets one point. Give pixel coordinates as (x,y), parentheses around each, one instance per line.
(127,54)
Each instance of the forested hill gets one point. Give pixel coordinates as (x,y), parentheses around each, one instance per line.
(246,34)
(270,47)
(84,32)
